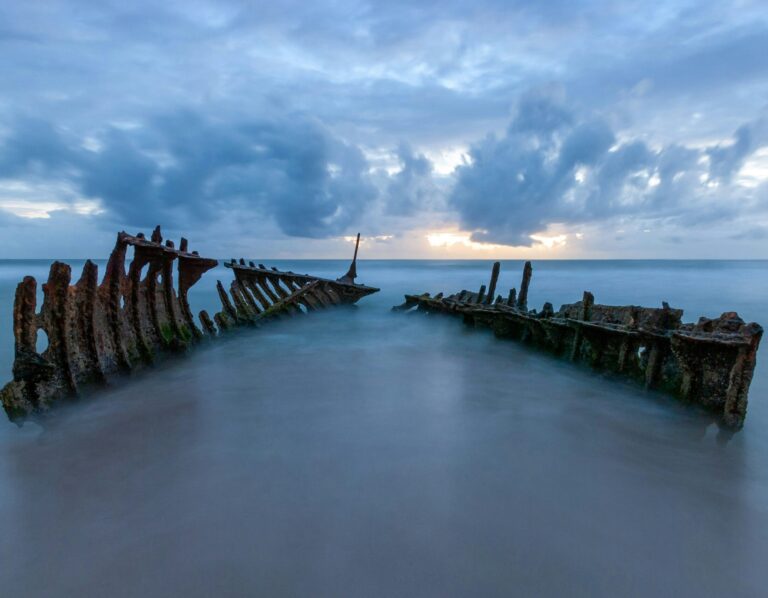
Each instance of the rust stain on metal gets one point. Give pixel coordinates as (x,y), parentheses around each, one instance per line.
(97,331)
(709,363)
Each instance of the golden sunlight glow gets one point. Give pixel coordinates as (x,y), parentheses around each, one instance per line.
(364,239)
(456,238)
(551,241)
(447,239)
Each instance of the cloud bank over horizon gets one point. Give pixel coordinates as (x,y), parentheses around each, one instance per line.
(511,129)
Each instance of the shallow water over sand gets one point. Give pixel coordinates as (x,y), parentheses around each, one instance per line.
(359,452)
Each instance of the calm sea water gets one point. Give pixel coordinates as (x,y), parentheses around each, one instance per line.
(364,453)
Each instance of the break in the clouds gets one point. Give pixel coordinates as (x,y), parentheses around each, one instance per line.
(616,128)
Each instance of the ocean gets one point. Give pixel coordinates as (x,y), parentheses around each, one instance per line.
(359,452)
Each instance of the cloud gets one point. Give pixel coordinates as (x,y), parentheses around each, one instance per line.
(555,165)
(755,233)
(264,114)
(727,159)
(188,166)
(34,146)
(412,188)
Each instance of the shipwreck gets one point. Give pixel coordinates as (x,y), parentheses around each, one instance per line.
(100,331)
(709,363)
(260,293)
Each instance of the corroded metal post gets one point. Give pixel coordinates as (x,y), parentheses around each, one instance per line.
(586,311)
(512,298)
(522,298)
(351,274)
(492,284)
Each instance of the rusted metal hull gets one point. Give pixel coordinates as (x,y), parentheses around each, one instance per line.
(99,331)
(709,363)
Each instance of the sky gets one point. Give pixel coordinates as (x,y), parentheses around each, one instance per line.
(484,129)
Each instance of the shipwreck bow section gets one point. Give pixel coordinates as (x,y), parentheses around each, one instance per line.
(259,293)
(709,363)
(97,331)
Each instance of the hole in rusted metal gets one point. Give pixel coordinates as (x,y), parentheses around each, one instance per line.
(41,343)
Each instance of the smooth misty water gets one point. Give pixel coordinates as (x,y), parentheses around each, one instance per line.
(364,453)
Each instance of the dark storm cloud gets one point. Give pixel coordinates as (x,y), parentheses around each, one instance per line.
(553,165)
(291,169)
(34,145)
